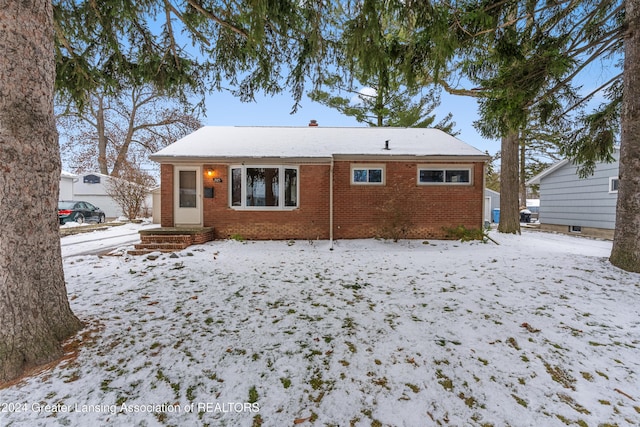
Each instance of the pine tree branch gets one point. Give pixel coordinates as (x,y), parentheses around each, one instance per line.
(210,15)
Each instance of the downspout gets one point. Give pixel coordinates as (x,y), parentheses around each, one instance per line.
(484,199)
(331,206)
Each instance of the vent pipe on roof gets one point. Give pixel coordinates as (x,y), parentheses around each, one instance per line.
(313,123)
(386,145)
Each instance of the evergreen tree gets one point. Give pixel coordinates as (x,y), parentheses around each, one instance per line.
(376,39)
(80,47)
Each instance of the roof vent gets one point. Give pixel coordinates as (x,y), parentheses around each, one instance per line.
(313,123)
(386,145)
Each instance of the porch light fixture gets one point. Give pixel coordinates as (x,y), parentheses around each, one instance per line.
(211,172)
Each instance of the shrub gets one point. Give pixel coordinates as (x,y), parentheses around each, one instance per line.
(465,234)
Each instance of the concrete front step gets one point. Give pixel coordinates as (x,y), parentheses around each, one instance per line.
(137,252)
(160,246)
(170,239)
(160,238)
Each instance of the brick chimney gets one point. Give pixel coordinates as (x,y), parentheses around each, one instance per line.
(313,123)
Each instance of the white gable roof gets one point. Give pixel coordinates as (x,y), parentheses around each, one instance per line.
(217,142)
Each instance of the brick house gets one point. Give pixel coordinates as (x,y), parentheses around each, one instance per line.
(321,183)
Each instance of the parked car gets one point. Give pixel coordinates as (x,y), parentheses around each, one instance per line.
(79,211)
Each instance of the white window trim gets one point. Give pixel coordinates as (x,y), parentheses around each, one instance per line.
(281,190)
(444,168)
(359,166)
(611,179)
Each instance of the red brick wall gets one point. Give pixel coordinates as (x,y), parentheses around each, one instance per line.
(166,195)
(309,221)
(360,211)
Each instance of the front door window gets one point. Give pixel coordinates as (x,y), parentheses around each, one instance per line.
(187,198)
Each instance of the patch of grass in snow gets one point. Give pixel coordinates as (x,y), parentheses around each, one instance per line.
(253,395)
(368,414)
(313,354)
(191,396)
(286,382)
(316,381)
(444,380)
(351,346)
(382,382)
(470,401)
(559,375)
(414,388)
(212,376)
(513,343)
(587,376)
(520,400)
(565,398)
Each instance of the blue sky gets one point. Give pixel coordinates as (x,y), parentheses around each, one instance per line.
(223,109)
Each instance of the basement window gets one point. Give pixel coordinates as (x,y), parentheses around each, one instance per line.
(575,229)
(264,187)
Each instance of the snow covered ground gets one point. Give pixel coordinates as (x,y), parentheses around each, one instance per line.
(100,241)
(538,331)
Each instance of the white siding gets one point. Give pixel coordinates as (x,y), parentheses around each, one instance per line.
(97,195)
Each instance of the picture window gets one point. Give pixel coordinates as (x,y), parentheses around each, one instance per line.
(264,187)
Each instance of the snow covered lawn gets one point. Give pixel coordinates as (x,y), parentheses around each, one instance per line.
(539,331)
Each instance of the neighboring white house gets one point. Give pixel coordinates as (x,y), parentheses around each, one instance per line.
(91,188)
(155,192)
(570,204)
(67,180)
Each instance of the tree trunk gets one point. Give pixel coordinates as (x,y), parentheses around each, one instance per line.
(34,309)
(509,212)
(102,137)
(522,174)
(625,253)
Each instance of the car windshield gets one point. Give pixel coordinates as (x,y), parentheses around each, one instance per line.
(66,205)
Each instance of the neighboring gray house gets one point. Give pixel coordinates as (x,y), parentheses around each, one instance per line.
(491,202)
(586,206)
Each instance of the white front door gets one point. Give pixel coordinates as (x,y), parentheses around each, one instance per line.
(188,192)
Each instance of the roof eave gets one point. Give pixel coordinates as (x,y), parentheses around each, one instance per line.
(321,159)
(536,179)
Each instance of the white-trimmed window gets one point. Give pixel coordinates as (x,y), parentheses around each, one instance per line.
(449,175)
(614,181)
(367,174)
(263,187)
